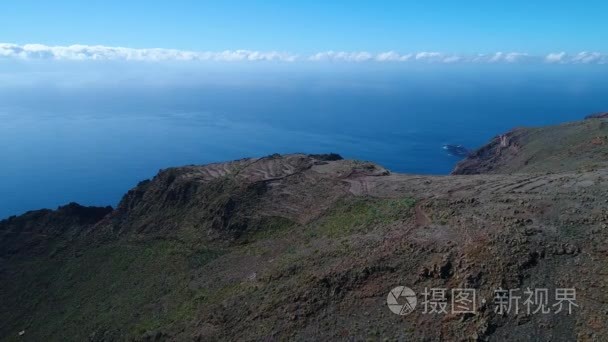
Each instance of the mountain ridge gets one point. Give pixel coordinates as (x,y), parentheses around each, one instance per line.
(308,247)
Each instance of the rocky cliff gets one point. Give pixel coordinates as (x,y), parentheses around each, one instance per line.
(581,145)
(308,247)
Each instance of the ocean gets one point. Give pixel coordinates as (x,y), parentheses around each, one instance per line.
(89,140)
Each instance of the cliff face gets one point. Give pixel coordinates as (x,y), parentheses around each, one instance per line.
(38,232)
(497,155)
(581,145)
(308,247)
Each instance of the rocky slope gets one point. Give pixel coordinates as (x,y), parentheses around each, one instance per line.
(307,247)
(581,145)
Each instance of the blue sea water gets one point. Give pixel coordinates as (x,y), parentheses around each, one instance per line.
(91,140)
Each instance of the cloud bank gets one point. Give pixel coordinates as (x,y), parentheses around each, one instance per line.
(108,53)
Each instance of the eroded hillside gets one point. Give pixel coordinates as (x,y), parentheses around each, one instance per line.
(308,247)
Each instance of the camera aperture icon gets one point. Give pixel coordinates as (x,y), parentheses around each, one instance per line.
(401,300)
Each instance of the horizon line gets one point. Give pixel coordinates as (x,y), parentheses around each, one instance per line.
(80,52)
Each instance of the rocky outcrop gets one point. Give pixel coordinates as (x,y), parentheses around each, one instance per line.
(492,156)
(574,146)
(224,198)
(597,116)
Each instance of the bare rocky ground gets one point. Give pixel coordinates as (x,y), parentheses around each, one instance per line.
(302,247)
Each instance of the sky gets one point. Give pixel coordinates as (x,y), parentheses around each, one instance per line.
(309,27)
(133,84)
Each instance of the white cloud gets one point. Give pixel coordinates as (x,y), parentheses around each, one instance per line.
(341,56)
(108,53)
(590,58)
(579,58)
(452,59)
(99,52)
(427,56)
(556,57)
(392,56)
(507,57)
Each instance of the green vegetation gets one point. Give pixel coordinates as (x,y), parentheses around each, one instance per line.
(202,256)
(360,214)
(143,286)
(270,227)
(581,145)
